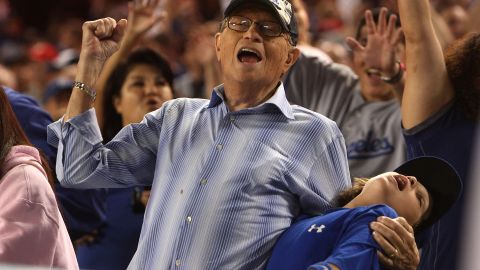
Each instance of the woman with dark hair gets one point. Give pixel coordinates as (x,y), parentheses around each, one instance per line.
(124,101)
(32,230)
(134,84)
(440,110)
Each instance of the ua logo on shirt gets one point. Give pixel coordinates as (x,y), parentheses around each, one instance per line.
(314,227)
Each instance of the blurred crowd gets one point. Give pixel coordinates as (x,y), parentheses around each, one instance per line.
(40,41)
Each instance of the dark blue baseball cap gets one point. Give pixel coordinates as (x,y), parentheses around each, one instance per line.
(441,181)
(56,87)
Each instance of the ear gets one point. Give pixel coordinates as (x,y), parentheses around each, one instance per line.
(292,57)
(218,42)
(117,104)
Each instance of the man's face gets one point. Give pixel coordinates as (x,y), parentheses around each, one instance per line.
(250,56)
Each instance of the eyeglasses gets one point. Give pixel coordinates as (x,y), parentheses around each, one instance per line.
(266,29)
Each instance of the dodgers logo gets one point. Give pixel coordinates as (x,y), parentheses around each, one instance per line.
(369,147)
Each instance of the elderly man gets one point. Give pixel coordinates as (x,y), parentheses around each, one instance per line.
(230,174)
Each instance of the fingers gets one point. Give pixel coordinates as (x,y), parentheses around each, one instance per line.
(370,23)
(119,30)
(394,234)
(391,26)
(402,221)
(101,28)
(382,21)
(389,233)
(385,244)
(386,261)
(354,44)
(141,4)
(397,35)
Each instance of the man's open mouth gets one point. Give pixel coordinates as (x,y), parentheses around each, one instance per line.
(246,55)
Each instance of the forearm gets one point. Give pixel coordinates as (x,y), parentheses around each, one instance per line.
(427,86)
(80,101)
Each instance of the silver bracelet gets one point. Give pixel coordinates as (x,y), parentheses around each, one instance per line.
(86,89)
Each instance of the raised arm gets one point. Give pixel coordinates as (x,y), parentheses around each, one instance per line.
(101,38)
(427,87)
(141,18)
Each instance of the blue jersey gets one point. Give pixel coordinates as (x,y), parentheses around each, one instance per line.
(341,236)
(117,240)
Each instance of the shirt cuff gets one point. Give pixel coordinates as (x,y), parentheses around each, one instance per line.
(85,124)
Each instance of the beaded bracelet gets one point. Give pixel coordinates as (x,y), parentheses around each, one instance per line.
(86,89)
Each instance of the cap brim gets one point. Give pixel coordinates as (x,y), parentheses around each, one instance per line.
(440,179)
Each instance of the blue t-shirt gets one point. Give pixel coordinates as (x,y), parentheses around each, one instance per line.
(341,236)
(450,136)
(117,240)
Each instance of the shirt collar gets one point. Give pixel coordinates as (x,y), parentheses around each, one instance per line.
(279,100)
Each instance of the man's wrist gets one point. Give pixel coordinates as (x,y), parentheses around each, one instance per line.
(85,89)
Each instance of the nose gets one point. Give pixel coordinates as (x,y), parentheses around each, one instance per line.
(252,33)
(413,180)
(150,88)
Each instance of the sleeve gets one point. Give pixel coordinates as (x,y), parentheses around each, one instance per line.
(328,175)
(319,86)
(84,162)
(356,248)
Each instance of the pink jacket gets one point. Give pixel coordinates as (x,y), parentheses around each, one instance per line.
(32,231)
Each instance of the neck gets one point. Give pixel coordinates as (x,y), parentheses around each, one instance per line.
(356,202)
(243,95)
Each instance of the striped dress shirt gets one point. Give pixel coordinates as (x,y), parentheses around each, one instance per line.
(225,184)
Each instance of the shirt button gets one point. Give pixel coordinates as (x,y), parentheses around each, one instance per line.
(181,191)
(219,147)
(232,118)
(203,182)
(189,219)
(178,262)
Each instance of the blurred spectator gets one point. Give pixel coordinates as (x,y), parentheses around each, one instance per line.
(364,105)
(456,18)
(55,99)
(8,77)
(203,72)
(335,50)
(65,64)
(304,37)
